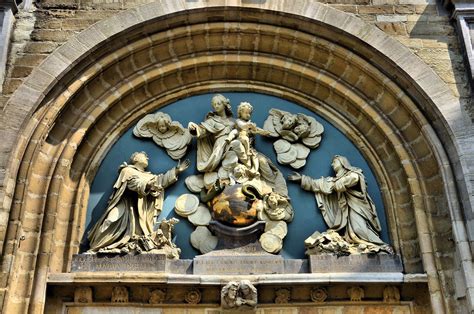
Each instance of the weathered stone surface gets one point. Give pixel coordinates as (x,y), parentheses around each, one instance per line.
(238,264)
(327,263)
(135,263)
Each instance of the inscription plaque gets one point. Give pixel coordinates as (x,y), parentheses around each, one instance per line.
(135,263)
(326,263)
(238,265)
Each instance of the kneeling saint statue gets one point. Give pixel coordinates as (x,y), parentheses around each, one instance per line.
(127,225)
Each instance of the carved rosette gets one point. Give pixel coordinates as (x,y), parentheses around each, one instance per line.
(318,295)
(192,296)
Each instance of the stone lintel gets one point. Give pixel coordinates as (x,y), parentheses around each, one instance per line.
(366,263)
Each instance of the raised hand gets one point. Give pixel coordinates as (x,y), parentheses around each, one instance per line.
(182,166)
(295,176)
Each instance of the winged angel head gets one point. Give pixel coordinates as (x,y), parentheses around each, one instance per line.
(165,133)
(296,134)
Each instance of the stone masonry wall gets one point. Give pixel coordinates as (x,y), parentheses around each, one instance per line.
(420,25)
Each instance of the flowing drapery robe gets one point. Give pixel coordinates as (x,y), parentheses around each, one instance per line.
(211,144)
(344,203)
(131,209)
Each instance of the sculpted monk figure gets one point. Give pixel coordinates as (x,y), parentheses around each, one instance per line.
(346,206)
(127,224)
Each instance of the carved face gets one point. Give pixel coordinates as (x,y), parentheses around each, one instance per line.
(245,290)
(245,113)
(272,201)
(218,105)
(163,125)
(276,207)
(240,171)
(232,292)
(141,159)
(288,121)
(336,165)
(301,128)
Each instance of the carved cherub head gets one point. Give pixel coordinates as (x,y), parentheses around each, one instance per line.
(163,122)
(302,127)
(288,121)
(244,111)
(277,207)
(240,172)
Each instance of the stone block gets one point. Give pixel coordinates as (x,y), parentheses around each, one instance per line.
(381,263)
(114,263)
(238,264)
(376,9)
(392,28)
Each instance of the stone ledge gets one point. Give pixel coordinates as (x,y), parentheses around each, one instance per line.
(163,278)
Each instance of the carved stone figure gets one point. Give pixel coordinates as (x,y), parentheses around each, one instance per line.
(236,178)
(355,293)
(297,133)
(282,296)
(170,135)
(242,137)
(83,295)
(229,295)
(119,294)
(242,296)
(391,294)
(157,296)
(127,225)
(346,208)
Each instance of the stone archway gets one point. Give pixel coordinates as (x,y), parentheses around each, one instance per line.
(100,82)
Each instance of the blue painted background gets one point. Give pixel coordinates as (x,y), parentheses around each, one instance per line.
(307,218)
